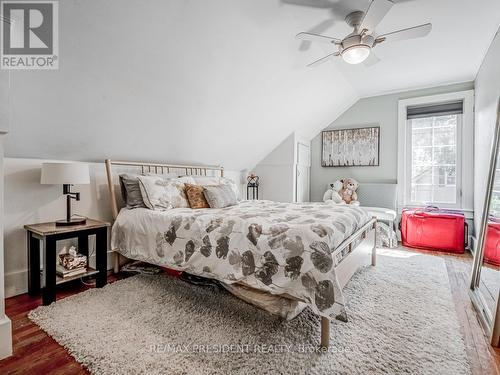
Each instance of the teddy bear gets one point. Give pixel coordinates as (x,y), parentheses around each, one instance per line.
(332,195)
(348,191)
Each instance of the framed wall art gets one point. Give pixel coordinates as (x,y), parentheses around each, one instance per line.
(350,147)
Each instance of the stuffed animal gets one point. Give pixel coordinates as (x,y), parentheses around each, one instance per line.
(348,191)
(332,195)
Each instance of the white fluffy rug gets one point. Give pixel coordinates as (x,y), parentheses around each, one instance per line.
(402,320)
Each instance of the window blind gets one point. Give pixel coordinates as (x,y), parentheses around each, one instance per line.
(442,109)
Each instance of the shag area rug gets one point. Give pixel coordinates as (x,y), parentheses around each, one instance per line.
(401,320)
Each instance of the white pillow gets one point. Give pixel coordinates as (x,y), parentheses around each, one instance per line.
(163,193)
(230,182)
(206,180)
(187,180)
(215,180)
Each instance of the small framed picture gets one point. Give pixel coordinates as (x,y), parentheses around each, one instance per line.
(350,147)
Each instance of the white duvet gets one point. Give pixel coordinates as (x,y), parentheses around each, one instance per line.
(281,248)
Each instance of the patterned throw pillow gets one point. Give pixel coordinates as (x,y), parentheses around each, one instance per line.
(215,180)
(161,193)
(195,196)
(131,191)
(219,196)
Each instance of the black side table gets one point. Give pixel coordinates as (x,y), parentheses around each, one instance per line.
(49,234)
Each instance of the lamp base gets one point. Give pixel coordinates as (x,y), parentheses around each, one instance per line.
(72,221)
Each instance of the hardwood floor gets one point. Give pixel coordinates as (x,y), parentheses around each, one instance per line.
(484,359)
(36,353)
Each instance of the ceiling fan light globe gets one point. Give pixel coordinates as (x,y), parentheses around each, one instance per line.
(356,54)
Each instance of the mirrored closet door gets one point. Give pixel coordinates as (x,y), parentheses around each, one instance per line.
(485,280)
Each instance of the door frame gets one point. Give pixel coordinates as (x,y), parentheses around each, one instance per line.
(296,170)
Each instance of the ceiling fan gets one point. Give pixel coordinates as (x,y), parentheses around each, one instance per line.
(356,47)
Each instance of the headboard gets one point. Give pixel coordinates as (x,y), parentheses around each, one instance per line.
(158,168)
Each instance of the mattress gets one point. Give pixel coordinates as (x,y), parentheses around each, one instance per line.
(279,248)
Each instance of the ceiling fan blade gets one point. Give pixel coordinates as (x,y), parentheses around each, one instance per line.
(312,37)
(371,60)
(323,4)
(375,13)
(323,59)
(318,29)
(409,33)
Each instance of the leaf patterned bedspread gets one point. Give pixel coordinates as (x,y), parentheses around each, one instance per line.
(281,248)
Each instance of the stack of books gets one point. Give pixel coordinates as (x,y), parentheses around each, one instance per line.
(71,264)
(65,273)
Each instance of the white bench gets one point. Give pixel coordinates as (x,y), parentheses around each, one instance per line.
(379,199)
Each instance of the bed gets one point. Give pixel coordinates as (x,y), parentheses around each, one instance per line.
(304,252)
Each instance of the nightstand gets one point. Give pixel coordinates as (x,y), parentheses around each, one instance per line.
(49,234)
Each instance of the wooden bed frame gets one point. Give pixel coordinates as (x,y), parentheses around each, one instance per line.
(359,248)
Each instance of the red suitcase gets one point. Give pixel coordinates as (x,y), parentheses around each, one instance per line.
(492,243)
(434,229)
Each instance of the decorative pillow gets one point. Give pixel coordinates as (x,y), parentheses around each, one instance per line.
(162,175)
(131,192)
(215,180)
(219,196)
(207,180)
(195,196)
(187,180)
(162,194)
(230,182)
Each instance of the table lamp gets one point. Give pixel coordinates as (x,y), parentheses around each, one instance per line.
(66,174)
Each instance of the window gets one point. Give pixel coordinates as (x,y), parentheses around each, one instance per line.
(434,146)
(435,151)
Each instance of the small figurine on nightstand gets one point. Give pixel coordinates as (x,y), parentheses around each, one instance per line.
(253,185)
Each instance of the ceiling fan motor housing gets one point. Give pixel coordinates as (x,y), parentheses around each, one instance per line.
(354,19)
(355,41)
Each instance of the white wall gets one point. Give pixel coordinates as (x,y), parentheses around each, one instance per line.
(5,324)
(215,82)
(487,88)
(276,172)
(377,110)
(27,202)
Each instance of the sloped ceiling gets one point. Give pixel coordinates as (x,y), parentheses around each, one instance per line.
(220,81)
(462,31)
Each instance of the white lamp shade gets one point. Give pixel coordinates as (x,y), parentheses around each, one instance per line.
(65,173)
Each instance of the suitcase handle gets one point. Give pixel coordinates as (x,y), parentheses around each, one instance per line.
(423,210)
(420,213)
(466,239)
(431,208)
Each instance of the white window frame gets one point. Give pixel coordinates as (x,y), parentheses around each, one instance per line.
(465,144)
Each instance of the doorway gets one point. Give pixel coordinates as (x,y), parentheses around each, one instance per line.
(302,173)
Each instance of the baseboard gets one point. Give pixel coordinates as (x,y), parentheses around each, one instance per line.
(5,338)
(16,282)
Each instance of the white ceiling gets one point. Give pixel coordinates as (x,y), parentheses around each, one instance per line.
(220,81)
(452,52)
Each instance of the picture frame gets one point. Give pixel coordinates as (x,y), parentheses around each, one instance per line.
(352,147)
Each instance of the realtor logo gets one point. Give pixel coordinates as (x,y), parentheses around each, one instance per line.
(29,37)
